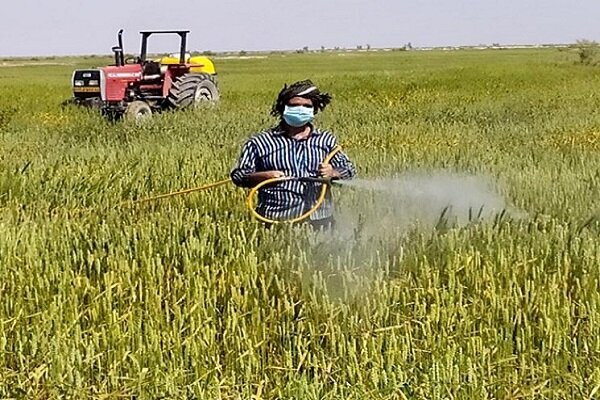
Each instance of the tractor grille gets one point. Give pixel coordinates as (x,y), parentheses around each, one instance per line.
(87,83)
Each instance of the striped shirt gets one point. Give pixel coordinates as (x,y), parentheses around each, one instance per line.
(274,150)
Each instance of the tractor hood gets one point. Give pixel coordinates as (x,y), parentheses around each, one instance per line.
(126,72)
(118,79)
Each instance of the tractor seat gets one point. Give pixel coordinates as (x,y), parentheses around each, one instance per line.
(151,70)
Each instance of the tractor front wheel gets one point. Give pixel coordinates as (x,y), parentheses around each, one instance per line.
(193,90)
(137,111)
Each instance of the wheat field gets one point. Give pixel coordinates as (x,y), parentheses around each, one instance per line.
(191,298)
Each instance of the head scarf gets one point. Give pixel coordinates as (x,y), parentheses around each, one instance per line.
(305,89)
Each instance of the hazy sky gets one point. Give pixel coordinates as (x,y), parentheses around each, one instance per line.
(57,27)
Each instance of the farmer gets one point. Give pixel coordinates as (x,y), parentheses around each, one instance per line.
(295,147)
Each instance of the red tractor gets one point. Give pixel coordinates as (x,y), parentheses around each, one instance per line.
(136,87)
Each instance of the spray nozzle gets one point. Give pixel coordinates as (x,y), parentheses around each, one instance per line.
(316,180)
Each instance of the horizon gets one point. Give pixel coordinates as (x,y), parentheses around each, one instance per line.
(480,46)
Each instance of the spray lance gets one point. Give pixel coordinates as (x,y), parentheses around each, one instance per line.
(250,200)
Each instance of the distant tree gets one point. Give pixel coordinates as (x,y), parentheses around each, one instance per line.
(587,51)
(242,52)
(359,47)
(368,46)
(305,49)
(322,49)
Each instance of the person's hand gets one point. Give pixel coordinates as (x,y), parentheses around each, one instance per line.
(274,174)
(255,178)
(328,172)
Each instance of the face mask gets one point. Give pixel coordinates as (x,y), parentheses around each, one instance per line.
(298,116)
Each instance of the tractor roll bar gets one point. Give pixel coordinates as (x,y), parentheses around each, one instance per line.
(182,48)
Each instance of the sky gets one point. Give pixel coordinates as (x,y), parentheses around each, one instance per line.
(73,27)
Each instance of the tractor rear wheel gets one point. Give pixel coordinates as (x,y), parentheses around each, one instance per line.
(193,90)
(137,111)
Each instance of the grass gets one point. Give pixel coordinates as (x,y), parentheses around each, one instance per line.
(190,298)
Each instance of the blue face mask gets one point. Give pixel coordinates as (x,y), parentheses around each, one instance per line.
(298,116)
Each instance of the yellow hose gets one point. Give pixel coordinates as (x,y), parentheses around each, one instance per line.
(255,189)
(186,191)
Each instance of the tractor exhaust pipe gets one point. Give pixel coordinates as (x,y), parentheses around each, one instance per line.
(118,50)
(120,35)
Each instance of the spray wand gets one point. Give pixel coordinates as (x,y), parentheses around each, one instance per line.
(250,200)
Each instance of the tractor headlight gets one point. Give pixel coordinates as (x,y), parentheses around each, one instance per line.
(78,83)
(93,82)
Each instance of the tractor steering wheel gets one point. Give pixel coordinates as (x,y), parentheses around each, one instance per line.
(132,60)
